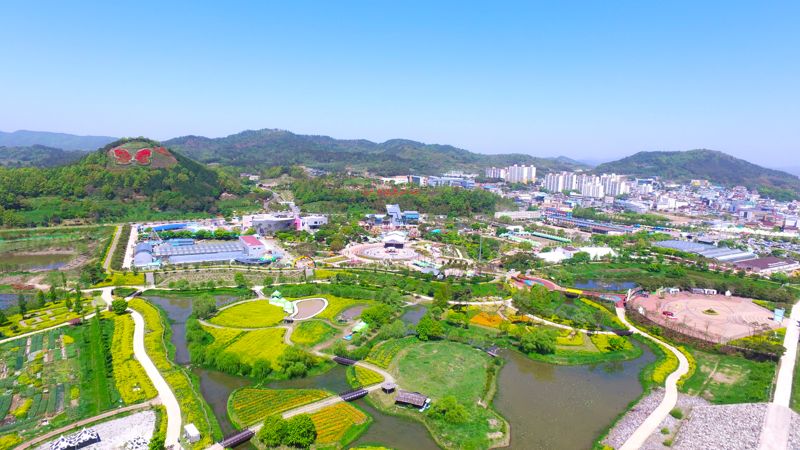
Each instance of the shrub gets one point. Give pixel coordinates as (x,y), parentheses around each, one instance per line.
(676,413)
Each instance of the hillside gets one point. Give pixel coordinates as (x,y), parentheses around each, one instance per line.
(711,165)
(124,179)
(263,148)
(25,138)
(37,156)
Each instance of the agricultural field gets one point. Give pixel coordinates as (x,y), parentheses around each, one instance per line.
(339,424)
(60,375)
(248,405)
(382,354)
(40,318)
(358,376)
(259,344)
(193,407)
(312,332)
(727,379)
(132,382)
(222,337)
(251,314)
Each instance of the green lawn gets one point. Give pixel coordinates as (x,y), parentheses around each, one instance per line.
(727,379)
(255,314)
(441,369)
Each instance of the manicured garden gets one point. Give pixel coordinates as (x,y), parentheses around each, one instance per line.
(248,406)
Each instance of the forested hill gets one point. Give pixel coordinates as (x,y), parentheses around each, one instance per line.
(711,165)
(37,156)
(262,148)
(124,178)
(64,141)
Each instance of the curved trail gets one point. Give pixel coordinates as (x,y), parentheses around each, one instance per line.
(651,423)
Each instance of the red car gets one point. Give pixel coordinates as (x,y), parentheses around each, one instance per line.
(669,314)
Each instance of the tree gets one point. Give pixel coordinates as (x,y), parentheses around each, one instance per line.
(22,304)
(240,280)
(300,432)
(273,433)
(261,369)
(52,296)
(119,306)
(450,410)
(458,319)
(3,318)
(616,344)
(205,306)
(428,328)
(78,306)
(540,340)
(41,300)
(68,303)
(268,281)
(377,315)
(443,295)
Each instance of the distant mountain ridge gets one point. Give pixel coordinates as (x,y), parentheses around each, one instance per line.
(712,165)
(270,147)
(37,156)
(63,141)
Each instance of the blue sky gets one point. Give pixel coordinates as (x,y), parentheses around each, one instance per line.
(590,80)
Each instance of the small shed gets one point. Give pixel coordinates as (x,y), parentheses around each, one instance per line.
(414,399)
(191,433)
(388,387)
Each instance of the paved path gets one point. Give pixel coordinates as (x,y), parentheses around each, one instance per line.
(775,434)
(84,422)
(164,392)
(650,425)
(112,249)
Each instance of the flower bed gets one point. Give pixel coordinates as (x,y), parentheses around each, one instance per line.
(334,422)
(250,405)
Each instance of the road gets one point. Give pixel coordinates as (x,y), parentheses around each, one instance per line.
(112,249)
(775,434)
(84,422)
(650,425)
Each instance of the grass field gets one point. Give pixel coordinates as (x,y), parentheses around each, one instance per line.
(312,332)
(222,337)
(260,344)
(730,379)
(257,314)
(795,403)
(247,406)
(339,424)
(441,369)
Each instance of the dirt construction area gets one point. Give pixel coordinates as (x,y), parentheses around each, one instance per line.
(715,318)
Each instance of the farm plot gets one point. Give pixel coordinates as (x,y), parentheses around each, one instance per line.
(339,424)
(259,344)
(257,314)
(383,354)
(312,332)
(247,406)
(359,376)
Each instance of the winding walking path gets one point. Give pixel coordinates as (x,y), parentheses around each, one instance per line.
(650,425)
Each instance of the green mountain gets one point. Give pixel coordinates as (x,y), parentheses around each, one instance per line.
(264,148)
(711,165)
(25,138)
(37,156)
(124,179)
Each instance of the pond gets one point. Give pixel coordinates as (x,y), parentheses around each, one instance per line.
(564,407)
(9,300)
(36,262)
(600,285)
(413,314)
(394,432)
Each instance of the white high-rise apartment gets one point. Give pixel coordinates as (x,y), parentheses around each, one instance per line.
(513,174)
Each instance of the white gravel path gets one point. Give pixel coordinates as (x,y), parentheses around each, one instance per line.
(115,433)
(794,432)
(722,427)
(625,427)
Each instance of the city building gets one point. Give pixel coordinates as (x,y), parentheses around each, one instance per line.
(451,181)
(513,174)
(768,265)
(253,248)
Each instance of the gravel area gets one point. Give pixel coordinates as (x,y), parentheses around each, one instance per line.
(115,433)
(794,432)
(686,403)
(633,418)
(723,427)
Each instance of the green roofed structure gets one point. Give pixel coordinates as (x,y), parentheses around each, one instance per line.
(277,299)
